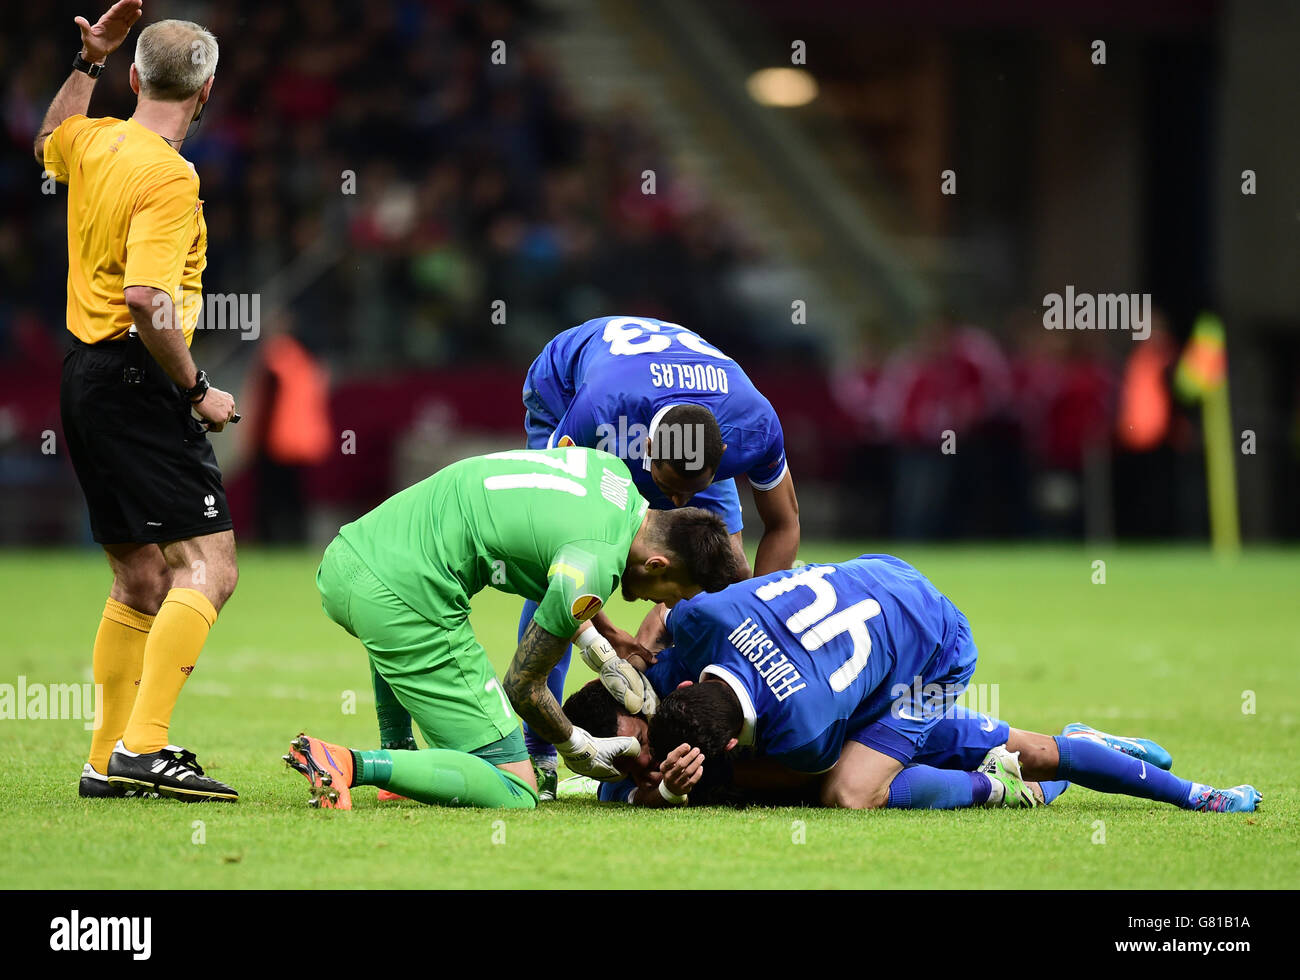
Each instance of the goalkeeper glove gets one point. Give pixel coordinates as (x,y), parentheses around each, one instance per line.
(628,685)
(595,757)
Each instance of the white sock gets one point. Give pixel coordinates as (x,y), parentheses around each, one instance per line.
(997,791)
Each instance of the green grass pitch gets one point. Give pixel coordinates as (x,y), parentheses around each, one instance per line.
(1170,647)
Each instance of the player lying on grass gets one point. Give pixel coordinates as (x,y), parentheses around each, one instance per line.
(845,671)
(562,527)
(687,422)
(961,741)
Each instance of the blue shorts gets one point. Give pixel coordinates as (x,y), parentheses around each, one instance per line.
(903,731)
(962,740)
(543,409)
(721,498)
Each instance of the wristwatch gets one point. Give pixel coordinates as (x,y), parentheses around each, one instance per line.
(201,386)
(89,67)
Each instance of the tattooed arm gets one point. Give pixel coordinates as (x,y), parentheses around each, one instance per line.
(525,684)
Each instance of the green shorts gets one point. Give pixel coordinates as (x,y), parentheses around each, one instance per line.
(438,671)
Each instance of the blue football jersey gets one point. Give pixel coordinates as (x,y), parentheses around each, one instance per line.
(818,652)
(607,382)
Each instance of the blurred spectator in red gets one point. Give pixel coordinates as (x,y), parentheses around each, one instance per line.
(1065,396)
(1159,477)
(288,404)
(934,400)
(1145,408)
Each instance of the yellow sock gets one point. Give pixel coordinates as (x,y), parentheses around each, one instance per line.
(118,659)
(179,631)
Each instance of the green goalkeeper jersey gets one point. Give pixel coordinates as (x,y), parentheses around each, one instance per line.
(551,525)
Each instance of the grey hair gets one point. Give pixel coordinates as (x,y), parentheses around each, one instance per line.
(174,58)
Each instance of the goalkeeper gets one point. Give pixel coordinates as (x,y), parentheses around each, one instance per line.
(562,527)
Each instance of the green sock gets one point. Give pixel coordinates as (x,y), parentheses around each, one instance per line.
(394,720)
(443,777)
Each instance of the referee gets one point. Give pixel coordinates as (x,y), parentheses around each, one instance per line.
(130,392)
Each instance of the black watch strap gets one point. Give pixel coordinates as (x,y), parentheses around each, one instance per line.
(89,67)
(201,386)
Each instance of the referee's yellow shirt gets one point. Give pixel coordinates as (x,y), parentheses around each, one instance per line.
(134,219)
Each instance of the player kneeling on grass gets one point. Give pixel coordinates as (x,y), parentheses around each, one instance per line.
(847,672)
(689,424)
(561,527)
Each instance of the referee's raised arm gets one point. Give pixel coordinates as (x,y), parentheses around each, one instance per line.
(97,43)
(137,244)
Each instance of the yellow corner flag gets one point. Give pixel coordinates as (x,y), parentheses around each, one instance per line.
(1202,374)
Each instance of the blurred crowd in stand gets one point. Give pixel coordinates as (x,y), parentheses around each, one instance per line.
(979,436)
(374,165)
(376,153)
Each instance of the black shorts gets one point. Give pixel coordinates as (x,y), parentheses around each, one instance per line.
(143,460)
